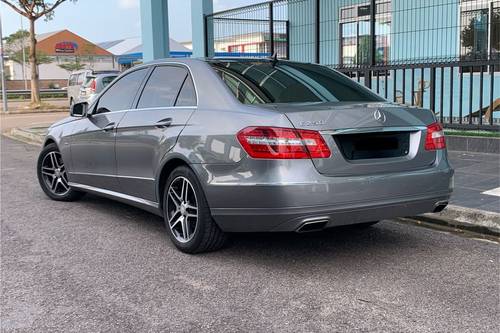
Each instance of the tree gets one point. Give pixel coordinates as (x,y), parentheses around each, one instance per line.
(33,10)
(72,66)
(14,46)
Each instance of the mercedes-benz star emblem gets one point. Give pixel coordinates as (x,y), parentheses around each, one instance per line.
(379,116)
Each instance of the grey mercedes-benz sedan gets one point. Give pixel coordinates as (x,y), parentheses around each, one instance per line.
(231,145)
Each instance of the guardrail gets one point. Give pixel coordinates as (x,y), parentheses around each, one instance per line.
(27,93)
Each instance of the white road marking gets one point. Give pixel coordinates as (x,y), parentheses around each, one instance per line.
(495,192)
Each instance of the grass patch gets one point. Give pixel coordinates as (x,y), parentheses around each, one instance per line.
(482,134)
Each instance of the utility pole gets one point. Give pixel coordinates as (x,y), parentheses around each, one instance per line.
(24,56)
(4,88)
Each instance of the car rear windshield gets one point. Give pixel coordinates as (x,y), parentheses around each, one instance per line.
(107,80)
(88,80)
(255,82)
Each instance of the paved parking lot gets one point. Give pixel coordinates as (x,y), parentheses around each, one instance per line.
(100,266)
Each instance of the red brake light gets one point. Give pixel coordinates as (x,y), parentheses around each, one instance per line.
(435,137)
(282,143)
(92,85)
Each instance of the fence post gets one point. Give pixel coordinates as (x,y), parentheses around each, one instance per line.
(432,90)
(373,43)
(287,26)
(205,30)
(317,32)
(271,28)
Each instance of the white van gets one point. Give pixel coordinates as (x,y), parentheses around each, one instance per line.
(78,78)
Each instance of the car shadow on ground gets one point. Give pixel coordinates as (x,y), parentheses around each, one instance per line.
(386,237)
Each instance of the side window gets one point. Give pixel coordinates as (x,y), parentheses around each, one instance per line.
(80,79)
(163,86)
(187,96)
(121,94)
(72,80)
(240,90)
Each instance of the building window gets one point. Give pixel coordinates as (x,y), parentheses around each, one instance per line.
(479,30)
(355,33)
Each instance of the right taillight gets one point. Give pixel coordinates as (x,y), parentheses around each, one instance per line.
(282,143)
(434,139)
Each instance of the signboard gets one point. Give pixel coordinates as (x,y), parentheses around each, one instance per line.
(66,47)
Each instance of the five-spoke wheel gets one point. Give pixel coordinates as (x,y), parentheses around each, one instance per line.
(54,173)
(187,215)
(53,176)
(182,209)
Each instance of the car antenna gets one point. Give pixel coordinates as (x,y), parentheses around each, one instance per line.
(274,58)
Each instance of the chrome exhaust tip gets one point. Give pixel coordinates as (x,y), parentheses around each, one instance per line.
(310,225)
(439,206)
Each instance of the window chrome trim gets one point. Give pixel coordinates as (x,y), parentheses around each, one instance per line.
(115,194)
(182,65)
(149,66)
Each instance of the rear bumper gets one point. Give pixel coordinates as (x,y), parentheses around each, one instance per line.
(291,219)
(249,202)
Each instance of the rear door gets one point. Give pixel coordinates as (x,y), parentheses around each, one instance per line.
(146,133)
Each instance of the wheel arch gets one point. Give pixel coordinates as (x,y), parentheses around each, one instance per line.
(48,141)
(166,169)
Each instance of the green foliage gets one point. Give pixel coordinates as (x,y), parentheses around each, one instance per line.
(72,66)
(14,44)
(17,37)
(17,56)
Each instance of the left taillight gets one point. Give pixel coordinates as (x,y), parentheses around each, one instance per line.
(282,143)
(92,86)
(434,139)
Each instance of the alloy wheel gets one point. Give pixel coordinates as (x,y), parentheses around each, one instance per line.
(182,209)
(54,173)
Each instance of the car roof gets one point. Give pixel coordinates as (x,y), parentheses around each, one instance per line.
(214,59)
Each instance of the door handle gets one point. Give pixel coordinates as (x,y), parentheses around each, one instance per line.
(109,127)
(164,123)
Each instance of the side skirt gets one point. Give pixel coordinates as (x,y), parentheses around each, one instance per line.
(147,205)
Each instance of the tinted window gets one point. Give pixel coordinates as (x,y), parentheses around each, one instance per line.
(287,82)
(187,96)
(72,80)
(242,92)
(163,86)
(121,94)
(88,80)
(107,80)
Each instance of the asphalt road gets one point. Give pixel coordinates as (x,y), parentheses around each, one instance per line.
(100,266)
(8,121)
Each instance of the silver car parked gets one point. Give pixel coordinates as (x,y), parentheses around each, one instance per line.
(231,145)
(94,85)
(78,79)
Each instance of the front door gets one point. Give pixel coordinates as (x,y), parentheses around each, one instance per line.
(92,142)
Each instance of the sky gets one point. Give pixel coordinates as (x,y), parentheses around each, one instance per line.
(105,20)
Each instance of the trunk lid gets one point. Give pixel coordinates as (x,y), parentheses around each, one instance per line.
(365,138)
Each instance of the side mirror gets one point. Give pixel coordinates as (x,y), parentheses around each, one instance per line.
(79,109)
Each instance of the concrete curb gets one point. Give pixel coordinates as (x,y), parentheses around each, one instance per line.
(467,219)
(25,136)
(473,144)
(34,111)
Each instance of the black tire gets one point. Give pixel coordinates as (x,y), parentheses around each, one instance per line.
(207,235)
(43,179)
